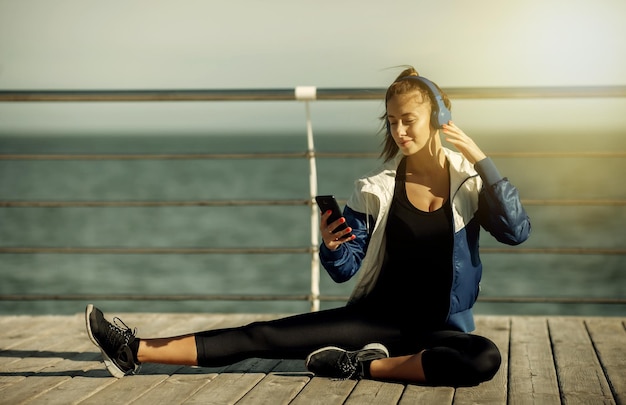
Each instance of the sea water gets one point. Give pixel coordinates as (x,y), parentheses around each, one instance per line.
(505,274)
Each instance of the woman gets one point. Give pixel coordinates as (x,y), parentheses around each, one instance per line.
(412,235)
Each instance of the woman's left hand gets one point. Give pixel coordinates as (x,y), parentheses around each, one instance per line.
(462,142)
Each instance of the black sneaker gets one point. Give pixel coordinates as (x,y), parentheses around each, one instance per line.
(338,363)
(113,340)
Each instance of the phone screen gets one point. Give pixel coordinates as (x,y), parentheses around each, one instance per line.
(328,202)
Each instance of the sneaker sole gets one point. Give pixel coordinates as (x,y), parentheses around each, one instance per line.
(113,369)
(368,352)
(372,352)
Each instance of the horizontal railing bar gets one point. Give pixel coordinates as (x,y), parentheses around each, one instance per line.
(576,203)
(559,251)
(302,297)
(552,300)
(175,251)
(270,250)
(252,203)
(131,204)
(535,92)
(292,155)
(290,94)
(555,154)
(614,154)
(151,297)
(157,156)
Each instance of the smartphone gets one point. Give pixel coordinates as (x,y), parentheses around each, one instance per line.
(328,202)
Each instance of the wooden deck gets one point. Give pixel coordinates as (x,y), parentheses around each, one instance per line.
(546,360)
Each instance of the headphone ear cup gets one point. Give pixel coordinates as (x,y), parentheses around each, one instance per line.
(443,116)
(434,119)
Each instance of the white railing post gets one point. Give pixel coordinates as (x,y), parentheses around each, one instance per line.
(306,94)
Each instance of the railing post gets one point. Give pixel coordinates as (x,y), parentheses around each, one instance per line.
(306,94)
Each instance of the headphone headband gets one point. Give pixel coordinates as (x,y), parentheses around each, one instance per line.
(441,115)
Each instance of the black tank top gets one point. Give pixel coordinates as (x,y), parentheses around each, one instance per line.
(416,276)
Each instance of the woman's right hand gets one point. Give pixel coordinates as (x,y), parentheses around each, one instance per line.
(331,239)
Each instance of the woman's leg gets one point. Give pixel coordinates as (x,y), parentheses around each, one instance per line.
(460,359)
(294,337)
(402,368)
(286,338)
(450,358)
(176,350)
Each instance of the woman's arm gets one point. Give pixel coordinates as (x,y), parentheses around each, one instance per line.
(500,210)
(344,262)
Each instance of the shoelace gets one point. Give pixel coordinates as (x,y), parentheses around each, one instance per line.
(119,330)
(348,365)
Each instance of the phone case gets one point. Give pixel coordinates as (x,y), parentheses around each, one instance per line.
(328,202)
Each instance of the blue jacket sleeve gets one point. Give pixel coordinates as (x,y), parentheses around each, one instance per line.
(500,210)
(344,262)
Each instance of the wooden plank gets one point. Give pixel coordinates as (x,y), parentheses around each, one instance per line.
(609,339)
(8,322)
(581,378)
(125,390)
(275,389)
(532,375)
(292,382)
(13,325)
(25,326)
(88,377)
(325,391)
(34,359)
(496,328)
(32,356)
(292,367)
(37,374)
(36,386)
(88,366)
(290,375)
(252,365)
(175,389)
(375,392)
(31,330)
(225,389)
(416,394)
(72,390)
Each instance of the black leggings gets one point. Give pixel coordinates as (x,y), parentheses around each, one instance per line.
(450,358)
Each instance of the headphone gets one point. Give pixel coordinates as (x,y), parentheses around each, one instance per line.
(440,114)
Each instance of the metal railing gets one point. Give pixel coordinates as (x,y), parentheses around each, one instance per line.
(372,93)
(305,95)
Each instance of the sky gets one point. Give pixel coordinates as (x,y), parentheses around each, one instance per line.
(205,44)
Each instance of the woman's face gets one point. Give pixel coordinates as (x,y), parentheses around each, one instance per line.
(409,121)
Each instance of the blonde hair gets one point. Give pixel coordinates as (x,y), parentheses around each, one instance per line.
(404,85)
